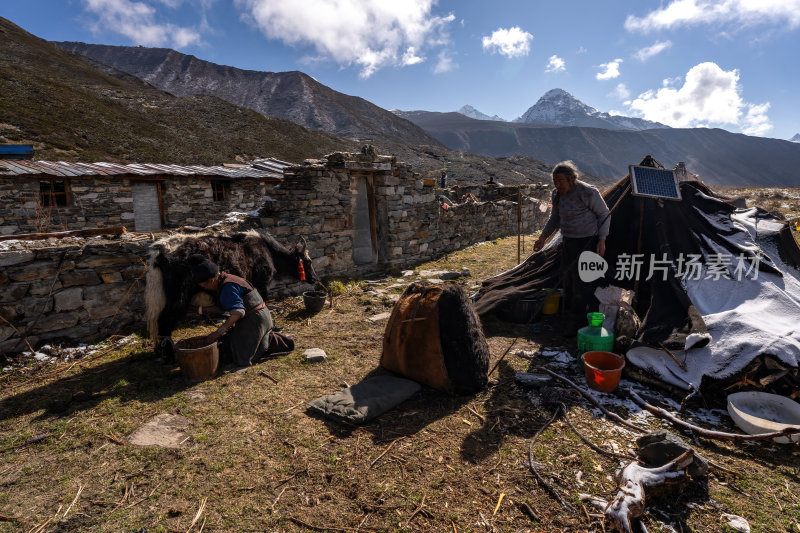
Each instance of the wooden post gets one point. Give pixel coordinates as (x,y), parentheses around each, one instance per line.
(519,222)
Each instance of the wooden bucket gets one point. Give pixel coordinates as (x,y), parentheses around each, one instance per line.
(198,361)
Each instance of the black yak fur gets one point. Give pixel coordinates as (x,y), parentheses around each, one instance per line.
(254,255)
(464,347)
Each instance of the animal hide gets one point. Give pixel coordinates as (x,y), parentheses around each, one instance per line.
(254,255)
(434,337)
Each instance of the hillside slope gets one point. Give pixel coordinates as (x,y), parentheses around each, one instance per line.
(718,156)
(292,95)
(72,110)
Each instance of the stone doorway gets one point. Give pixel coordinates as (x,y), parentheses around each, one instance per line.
(365,235)
(146,207)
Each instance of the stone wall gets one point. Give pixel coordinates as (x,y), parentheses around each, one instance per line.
(70,292)
(317,201)
(87,289)
(100,201)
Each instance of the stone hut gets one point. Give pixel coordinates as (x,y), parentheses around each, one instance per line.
(42,196)
(363,212)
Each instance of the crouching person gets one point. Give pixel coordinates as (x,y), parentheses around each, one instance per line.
(245,333)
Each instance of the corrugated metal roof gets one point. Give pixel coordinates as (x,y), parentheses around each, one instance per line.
(275,166)
(65,169)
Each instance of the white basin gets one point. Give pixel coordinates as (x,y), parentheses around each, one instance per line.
(760,412)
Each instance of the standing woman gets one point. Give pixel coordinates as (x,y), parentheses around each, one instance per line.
(582,215)
(245,333)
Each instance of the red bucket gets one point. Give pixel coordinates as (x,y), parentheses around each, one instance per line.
(603,370)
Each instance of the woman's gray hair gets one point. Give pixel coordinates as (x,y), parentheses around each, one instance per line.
(568,168)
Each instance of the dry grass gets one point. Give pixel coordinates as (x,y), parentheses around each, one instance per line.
(256,462)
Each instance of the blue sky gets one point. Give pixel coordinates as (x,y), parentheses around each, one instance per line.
(687,63)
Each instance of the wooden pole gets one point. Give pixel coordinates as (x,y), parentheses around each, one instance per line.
(519,223)
(117,230)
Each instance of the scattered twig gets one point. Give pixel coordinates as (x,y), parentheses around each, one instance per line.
(199,514)
(292,446)
(292,407)
(499,501)
(708,433)
(30,440)
(616,418)
(78,495)
(324,528)
(672,355)
(536,473)
(275,502)
(384,452)
(113,438)
(529,511)
(476,413)
(592,445)
(721,468)
(502,357)
(416,511)
(25,338)
(262,373)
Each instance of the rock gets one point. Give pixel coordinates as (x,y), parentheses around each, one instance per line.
(532,380)
(407,273)
(164,430)
(68,299)
(446,276)
(431,273)
(79,277)
(315,355)
(15,257)
(379,317)
(737,523)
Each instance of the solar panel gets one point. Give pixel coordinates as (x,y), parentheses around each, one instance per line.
(654,183)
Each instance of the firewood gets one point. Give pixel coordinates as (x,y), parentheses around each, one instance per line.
(628,504)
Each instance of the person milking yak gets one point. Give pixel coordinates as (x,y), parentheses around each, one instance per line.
(245,333)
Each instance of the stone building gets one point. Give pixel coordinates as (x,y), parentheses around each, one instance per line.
(41,196)
(359,213)
(365,212)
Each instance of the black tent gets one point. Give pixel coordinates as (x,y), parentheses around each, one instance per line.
(703,228)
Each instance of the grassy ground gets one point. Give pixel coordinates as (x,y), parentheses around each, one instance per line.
(254,461)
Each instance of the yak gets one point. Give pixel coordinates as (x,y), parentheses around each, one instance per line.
(254,255)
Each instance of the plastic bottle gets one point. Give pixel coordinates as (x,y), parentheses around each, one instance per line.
(594,337)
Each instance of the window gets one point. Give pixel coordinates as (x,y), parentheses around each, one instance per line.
(220,190)
(53,193)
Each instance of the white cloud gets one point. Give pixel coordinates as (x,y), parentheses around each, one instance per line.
(371,34)
(620,91)
(510,42)
(610,70)
(646,53)
(582,50)
(410,57)
(444,64)
(137,21)
(709,95)
(785,13)
(556,64)
(756,121)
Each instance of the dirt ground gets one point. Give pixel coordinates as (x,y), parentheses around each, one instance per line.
(253,460)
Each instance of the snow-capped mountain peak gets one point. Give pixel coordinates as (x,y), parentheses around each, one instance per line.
(559,108)
(471,112)
(796,138)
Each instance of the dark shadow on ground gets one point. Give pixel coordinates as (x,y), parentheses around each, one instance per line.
(135,377)
(507,411)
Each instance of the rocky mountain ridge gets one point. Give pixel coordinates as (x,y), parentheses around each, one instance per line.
(557,107)
(291,95)
(471,112)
